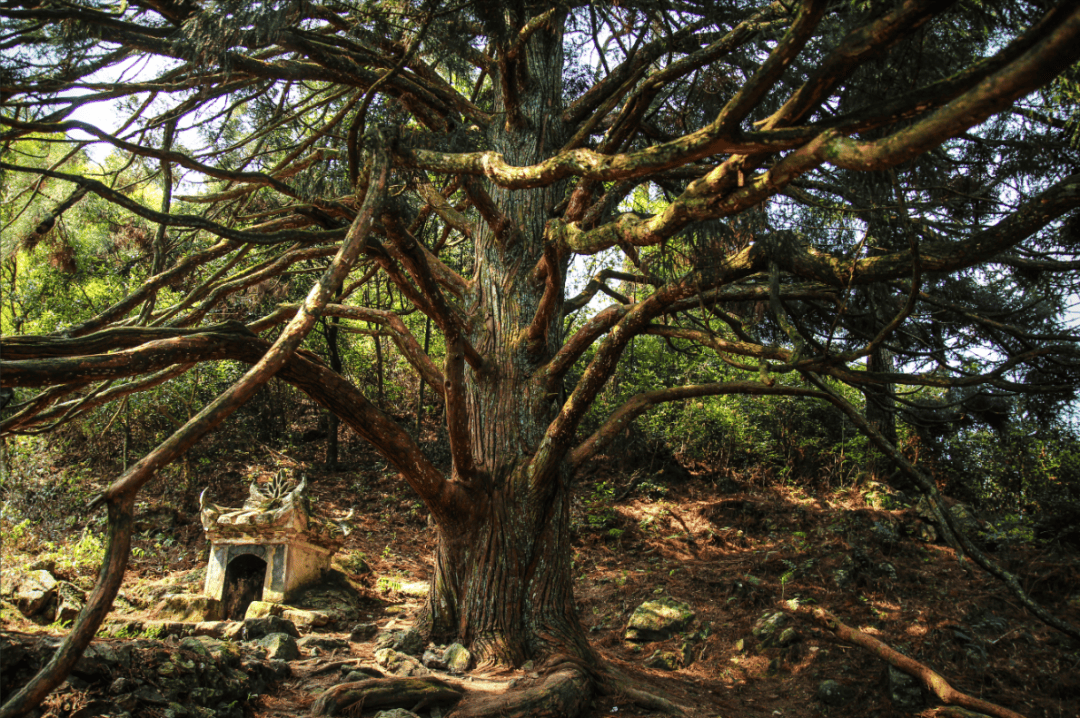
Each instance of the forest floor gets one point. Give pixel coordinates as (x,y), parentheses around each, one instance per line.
(736,551)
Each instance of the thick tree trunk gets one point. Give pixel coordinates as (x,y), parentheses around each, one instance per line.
(502,579)
(503,582)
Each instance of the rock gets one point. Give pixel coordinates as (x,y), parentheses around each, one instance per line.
(256,628)
(408,641)
(262,609)
(416,589)
(658,620)
(305,618)
(280,647)
(457,658)
(194,645)
(34,592)
(772,631)
(832,693)
(329,644)
(787,637)
(433,660)
(399,664)
(362,632)
(885,533)
(396,713)
(122,684)
(905,692)
(69,601)
(363,673)
(149,694)
(924,532)
(664,660)
(187,607)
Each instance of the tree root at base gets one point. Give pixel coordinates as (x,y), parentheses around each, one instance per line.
(932,680)
(561,693)
(412,693)
(614,682)
(562,689)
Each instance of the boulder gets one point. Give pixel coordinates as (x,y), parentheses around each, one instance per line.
(399,664)
(263,609)
(280,647)
(396,713)
(34,592)
(658,620)
(305,618)
(188,608)
(456,658)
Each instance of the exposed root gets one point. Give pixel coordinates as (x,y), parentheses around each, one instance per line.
(933,681)
(564,692)
(614,682)
(412,693)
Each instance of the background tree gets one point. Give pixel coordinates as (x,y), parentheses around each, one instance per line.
(818,193)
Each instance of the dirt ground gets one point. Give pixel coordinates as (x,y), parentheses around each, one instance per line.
(734,551)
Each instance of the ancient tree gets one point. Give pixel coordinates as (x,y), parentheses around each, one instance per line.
(820,192)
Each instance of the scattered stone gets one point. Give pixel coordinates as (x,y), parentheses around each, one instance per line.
(150,695)
(399,664)
(34,592)
(194,645)
(924,532)
(456,658)
(323,643)
(658,620)
(408,641)
(904,691)
(887,570)
(433,660)
(122,684)
(255,628)
(362,673)
(772,631)
(832,693)
(362,632)
(188,608)
(885,533)
(280,647)
(664,660)
(193,678)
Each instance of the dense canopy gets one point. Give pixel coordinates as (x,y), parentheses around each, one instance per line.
(834,198)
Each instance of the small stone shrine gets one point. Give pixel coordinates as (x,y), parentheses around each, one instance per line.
(267,550)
